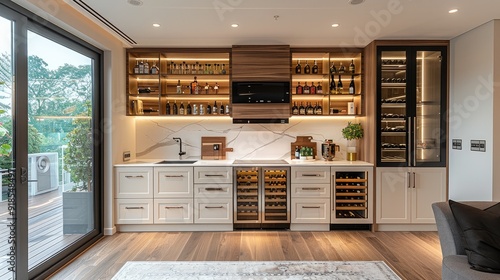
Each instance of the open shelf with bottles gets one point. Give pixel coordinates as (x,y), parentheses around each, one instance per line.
(170,79)
(327,78)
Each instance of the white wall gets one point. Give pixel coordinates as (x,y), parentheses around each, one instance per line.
(118,129)
(471,113)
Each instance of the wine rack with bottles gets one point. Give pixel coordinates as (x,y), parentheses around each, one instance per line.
(182,82)
(275,195)
(351,197)
(326,82)
(247,195)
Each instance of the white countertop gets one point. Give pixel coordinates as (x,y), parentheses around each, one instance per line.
(230,162)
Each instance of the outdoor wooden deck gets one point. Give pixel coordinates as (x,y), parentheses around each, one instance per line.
(45,230)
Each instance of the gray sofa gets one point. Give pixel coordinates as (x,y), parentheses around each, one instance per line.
(455,264)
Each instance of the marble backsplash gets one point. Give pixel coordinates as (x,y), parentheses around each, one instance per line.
(154,136)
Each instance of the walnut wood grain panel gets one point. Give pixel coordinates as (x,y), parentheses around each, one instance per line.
(261,63)
(261,111)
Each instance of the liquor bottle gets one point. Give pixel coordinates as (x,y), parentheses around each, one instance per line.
(298,68)
(352,68)
(167,108)
(333,69)
(319,88)
(207,88)
(307,69)
(351,86)
(209,109)
(205,71)
(302,109)
(216,88)
(306,89)
(188,109)
(319,109)
(136,67)
(202,109)
(210,69)
(310,109)
(141,67)
(223,70)
(227,109)
(221,110)
(312,89)
(333,88)
(214,108)
(171,68)
(200,69)
(176,69)
(195,68)
(297,152)
(195,109)
(154,69)
(146,67)
(194,86)
(315,67)
(340,87)
(298,89)
(175,108)
(183,68)
(181,109)
(341,68)
(295,109)
(179,87)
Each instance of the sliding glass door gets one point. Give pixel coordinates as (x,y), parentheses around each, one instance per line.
(51,142)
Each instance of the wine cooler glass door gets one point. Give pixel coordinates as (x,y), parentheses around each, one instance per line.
(428,124)
(247,196)
(394,118)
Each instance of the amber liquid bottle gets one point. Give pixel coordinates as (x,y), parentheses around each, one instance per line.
(298,68)
(307,69)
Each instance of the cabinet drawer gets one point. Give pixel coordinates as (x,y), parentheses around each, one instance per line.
(173,211)
(309,210)
(311,190)
(311,175)
(134,182)
(213,175)
(173,182)
(213,190)
(208,211)
(134,211)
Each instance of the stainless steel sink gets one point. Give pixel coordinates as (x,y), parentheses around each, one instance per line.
(177,162)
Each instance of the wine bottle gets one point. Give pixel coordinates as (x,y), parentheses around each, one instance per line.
(302,109)
(227,109)
(319,109)
(175,108)
(202,109)
(136,67)
(214,108)
(297,152)
(333,88)
(315,67)
(341,68)
(167,108)
(195,68)
(295,109)
(312,89)
(223,70)
(306,89)
(333,69)
(188,109)
(307,69)
(221,110)
(319,88)
(195,109)
(171,68)
(340,87)
(298,68)
(181,109)
(298,89)
(209,109)
(352,68)
(179,87)
(194,86)
(351,86)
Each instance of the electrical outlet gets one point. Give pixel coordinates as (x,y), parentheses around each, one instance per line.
(216,147)
(456,144)
(126,156)
(478,145)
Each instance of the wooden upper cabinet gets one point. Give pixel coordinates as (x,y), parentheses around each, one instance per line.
(261,63)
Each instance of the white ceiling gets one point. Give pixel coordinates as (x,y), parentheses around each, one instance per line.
(187,23)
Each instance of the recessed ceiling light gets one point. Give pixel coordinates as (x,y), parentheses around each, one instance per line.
(335,25)
(452,11)
(234,25)
(135,2)
(355,2)
(156,25)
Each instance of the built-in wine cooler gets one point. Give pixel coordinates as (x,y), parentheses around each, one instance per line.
(262,197)
(350,199)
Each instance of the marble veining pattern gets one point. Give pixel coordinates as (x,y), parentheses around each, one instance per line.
(360,270)
(249,141)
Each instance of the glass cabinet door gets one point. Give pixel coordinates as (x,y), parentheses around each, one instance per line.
(393,109)
(428,93)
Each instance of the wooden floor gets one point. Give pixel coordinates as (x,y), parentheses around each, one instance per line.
(412,255)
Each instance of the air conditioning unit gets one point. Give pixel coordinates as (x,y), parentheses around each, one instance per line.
(43,174)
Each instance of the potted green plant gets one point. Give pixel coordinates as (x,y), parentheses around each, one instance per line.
(352,132)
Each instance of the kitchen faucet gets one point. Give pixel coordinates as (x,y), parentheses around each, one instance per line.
(179,140)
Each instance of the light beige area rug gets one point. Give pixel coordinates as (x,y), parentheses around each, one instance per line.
(373,270)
